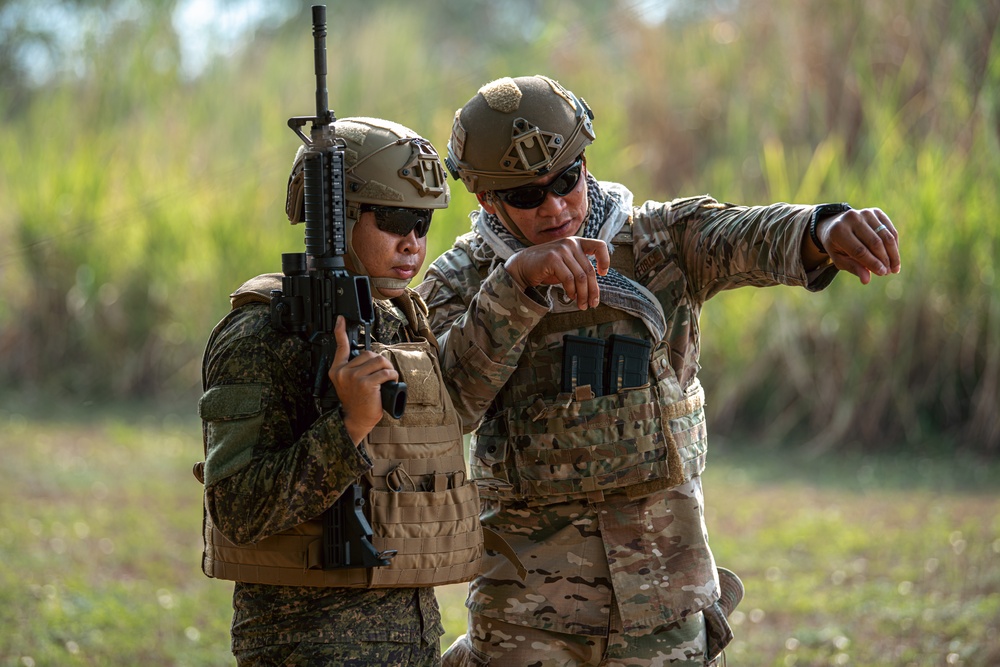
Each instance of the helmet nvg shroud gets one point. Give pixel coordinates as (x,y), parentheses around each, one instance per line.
(515,130)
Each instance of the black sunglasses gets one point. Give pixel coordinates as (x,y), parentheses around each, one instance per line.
(399,220)
(532,196)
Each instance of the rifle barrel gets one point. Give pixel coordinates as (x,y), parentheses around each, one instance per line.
(323,114)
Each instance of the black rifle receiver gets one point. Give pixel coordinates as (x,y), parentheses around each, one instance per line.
(317,287)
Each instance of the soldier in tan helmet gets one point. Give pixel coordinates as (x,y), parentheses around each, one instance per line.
(276,461)
(568,318)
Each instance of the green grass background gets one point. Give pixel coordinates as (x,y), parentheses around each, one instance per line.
(853,560)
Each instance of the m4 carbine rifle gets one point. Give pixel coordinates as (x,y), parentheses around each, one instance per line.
(316,288)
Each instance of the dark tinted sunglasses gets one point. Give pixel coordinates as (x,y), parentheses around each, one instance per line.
(399,220)
(532,196)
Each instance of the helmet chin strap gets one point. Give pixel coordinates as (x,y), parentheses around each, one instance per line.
(501,213)
(376,284)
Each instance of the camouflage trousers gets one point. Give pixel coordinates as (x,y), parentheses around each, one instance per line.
(347,654)
(492,642)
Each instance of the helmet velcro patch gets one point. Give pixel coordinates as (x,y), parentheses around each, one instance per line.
(502,95)
(353,132)
(375,190)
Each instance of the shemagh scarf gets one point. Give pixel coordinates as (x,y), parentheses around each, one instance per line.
(610,207)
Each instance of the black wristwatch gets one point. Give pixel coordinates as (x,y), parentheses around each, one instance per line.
(824,211)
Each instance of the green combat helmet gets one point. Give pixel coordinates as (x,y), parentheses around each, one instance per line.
(386,164)
(515,130)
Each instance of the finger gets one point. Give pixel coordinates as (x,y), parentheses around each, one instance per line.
(845,263)
(890,237)
(343,351)
(593,296)
(590,291)
(381,376)
(359,371)
(360,388)
(587,290)
(586,287)
(857,243)
(874,234)
(566,276)
(370,365)
(861,255)
(599,251)
(557,265)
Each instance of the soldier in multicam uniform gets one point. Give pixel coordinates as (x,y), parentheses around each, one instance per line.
(274,463)
(598,488)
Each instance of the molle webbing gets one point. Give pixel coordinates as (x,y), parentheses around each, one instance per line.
(631,442)
(578,319)
(419,500)
(291,558)
(294,557)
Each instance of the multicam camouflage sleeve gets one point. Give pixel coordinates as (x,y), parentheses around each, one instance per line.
(713,246)
(481,326)
(685,252)
(259,478)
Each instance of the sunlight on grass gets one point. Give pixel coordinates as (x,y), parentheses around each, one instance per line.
(845,562)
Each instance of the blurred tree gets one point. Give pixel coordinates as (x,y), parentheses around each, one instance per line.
(156,136)
(43,42)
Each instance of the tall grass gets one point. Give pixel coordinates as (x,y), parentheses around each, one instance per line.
(136,200)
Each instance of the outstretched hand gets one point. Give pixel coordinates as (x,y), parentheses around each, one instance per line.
(563,262)
(862,242)
(358,382)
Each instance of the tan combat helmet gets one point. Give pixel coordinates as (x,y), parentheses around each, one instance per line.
(386,164)
(515,130)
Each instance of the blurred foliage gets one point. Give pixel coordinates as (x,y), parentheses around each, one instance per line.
(137,194)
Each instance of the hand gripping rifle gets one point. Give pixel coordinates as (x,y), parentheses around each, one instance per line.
(315,288)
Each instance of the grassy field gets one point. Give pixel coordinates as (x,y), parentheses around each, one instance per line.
(857,561)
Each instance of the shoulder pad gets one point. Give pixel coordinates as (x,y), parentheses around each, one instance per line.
(256,290)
